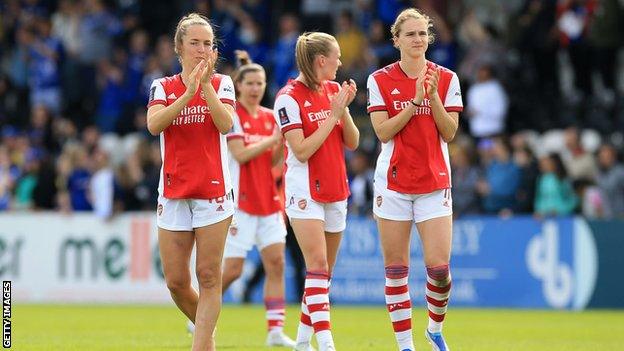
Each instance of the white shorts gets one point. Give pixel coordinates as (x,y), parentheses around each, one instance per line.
(393,205)
(249,230)
(333,213)
(186,214)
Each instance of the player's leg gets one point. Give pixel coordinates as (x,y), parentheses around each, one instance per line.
(270,240)
(434,223)
(239,242)
(175,243)
(273,262)
(210,242)
(395,243)
(211,220)
(175,255)
(232,270)
(394,221)
(310,234)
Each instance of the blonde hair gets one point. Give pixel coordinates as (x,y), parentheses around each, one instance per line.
(310,45)
(407,14)
(185,22)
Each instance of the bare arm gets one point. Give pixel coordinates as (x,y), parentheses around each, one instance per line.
(304,148)
(386,128)
(446,122)
(221,113)
(278,154)
(160,117)
(244,154)
(350,133)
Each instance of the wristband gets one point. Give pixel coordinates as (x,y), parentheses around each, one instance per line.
(414,103)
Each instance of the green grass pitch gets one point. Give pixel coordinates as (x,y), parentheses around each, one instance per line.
(132,327)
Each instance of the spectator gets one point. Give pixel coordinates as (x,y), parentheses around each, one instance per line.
(579,163)
(78,178)
(487,104)
(465,177)
(502,180)
(45,53)
(525,197)
(283,60)
(361,185)
(554,195)
(610,180)
(9,174)
(101,186)
(350,39)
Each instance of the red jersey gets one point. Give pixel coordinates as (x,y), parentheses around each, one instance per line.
(416,160)
(323,177)
(193,151)
(254,185)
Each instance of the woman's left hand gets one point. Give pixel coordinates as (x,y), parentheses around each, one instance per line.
(351,90)
(433,76)
(209,68)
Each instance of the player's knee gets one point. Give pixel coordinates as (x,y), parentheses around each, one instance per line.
(232,271)
(438,272)
(317,264)
(275,265)
(178,284)
(208,276)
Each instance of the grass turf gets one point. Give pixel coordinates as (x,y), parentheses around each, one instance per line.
(113,327)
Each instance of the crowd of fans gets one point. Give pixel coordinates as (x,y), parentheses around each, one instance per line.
(541,131)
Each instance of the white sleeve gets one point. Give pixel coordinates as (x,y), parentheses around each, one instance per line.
(375,100)
(453,99)
(226,91)
(157,94)
(237,129)
(286,113)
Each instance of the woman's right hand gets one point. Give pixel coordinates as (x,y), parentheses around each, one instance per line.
(420,86)
(194,79)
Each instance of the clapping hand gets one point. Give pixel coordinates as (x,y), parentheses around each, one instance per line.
(194,78)
(351,88)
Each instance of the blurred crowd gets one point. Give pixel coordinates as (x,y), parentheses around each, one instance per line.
(541,132)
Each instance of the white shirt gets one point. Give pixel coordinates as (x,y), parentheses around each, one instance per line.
(487,102)
(102,192)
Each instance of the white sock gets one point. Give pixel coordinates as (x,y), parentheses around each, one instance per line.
(324,337)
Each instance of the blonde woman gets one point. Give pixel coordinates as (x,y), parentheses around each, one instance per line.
(312,113)
(414,106)
(192,111)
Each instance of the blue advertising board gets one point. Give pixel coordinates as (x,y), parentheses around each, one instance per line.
(516,262)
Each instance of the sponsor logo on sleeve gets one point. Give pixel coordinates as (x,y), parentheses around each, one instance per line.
(152,93)
(283,116)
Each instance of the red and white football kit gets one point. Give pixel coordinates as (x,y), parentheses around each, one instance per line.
(318,188)
(194,188)
(258,219)
(413,175)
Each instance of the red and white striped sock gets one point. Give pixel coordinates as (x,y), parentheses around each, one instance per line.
(305,330)
(275,312)
(399,305)
(317,301)
(437,293)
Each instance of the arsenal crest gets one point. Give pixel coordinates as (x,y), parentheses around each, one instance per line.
(379,200)
(159,209)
